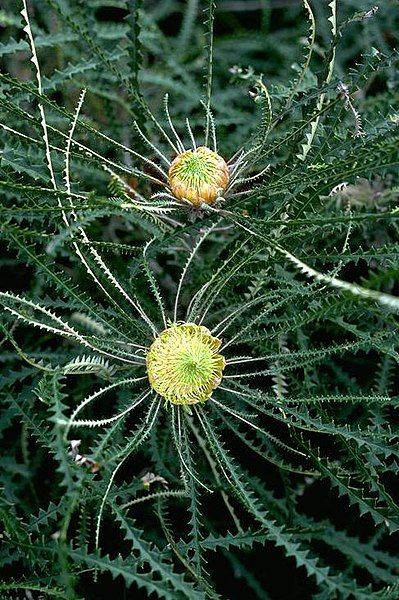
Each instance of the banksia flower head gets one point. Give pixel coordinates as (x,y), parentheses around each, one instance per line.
(183,364)
(198,176)
(188,174)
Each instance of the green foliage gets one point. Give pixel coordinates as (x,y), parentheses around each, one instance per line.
(106,489)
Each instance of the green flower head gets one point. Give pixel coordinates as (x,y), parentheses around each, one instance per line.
(183,364)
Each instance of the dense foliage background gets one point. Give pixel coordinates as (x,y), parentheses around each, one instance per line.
(305,504)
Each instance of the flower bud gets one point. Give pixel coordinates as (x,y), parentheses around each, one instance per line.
(198,176)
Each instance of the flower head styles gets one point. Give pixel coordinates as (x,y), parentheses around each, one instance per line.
(183,364)
(198,176)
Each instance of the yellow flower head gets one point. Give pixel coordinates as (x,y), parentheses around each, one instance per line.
(198,176)
(183,364)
